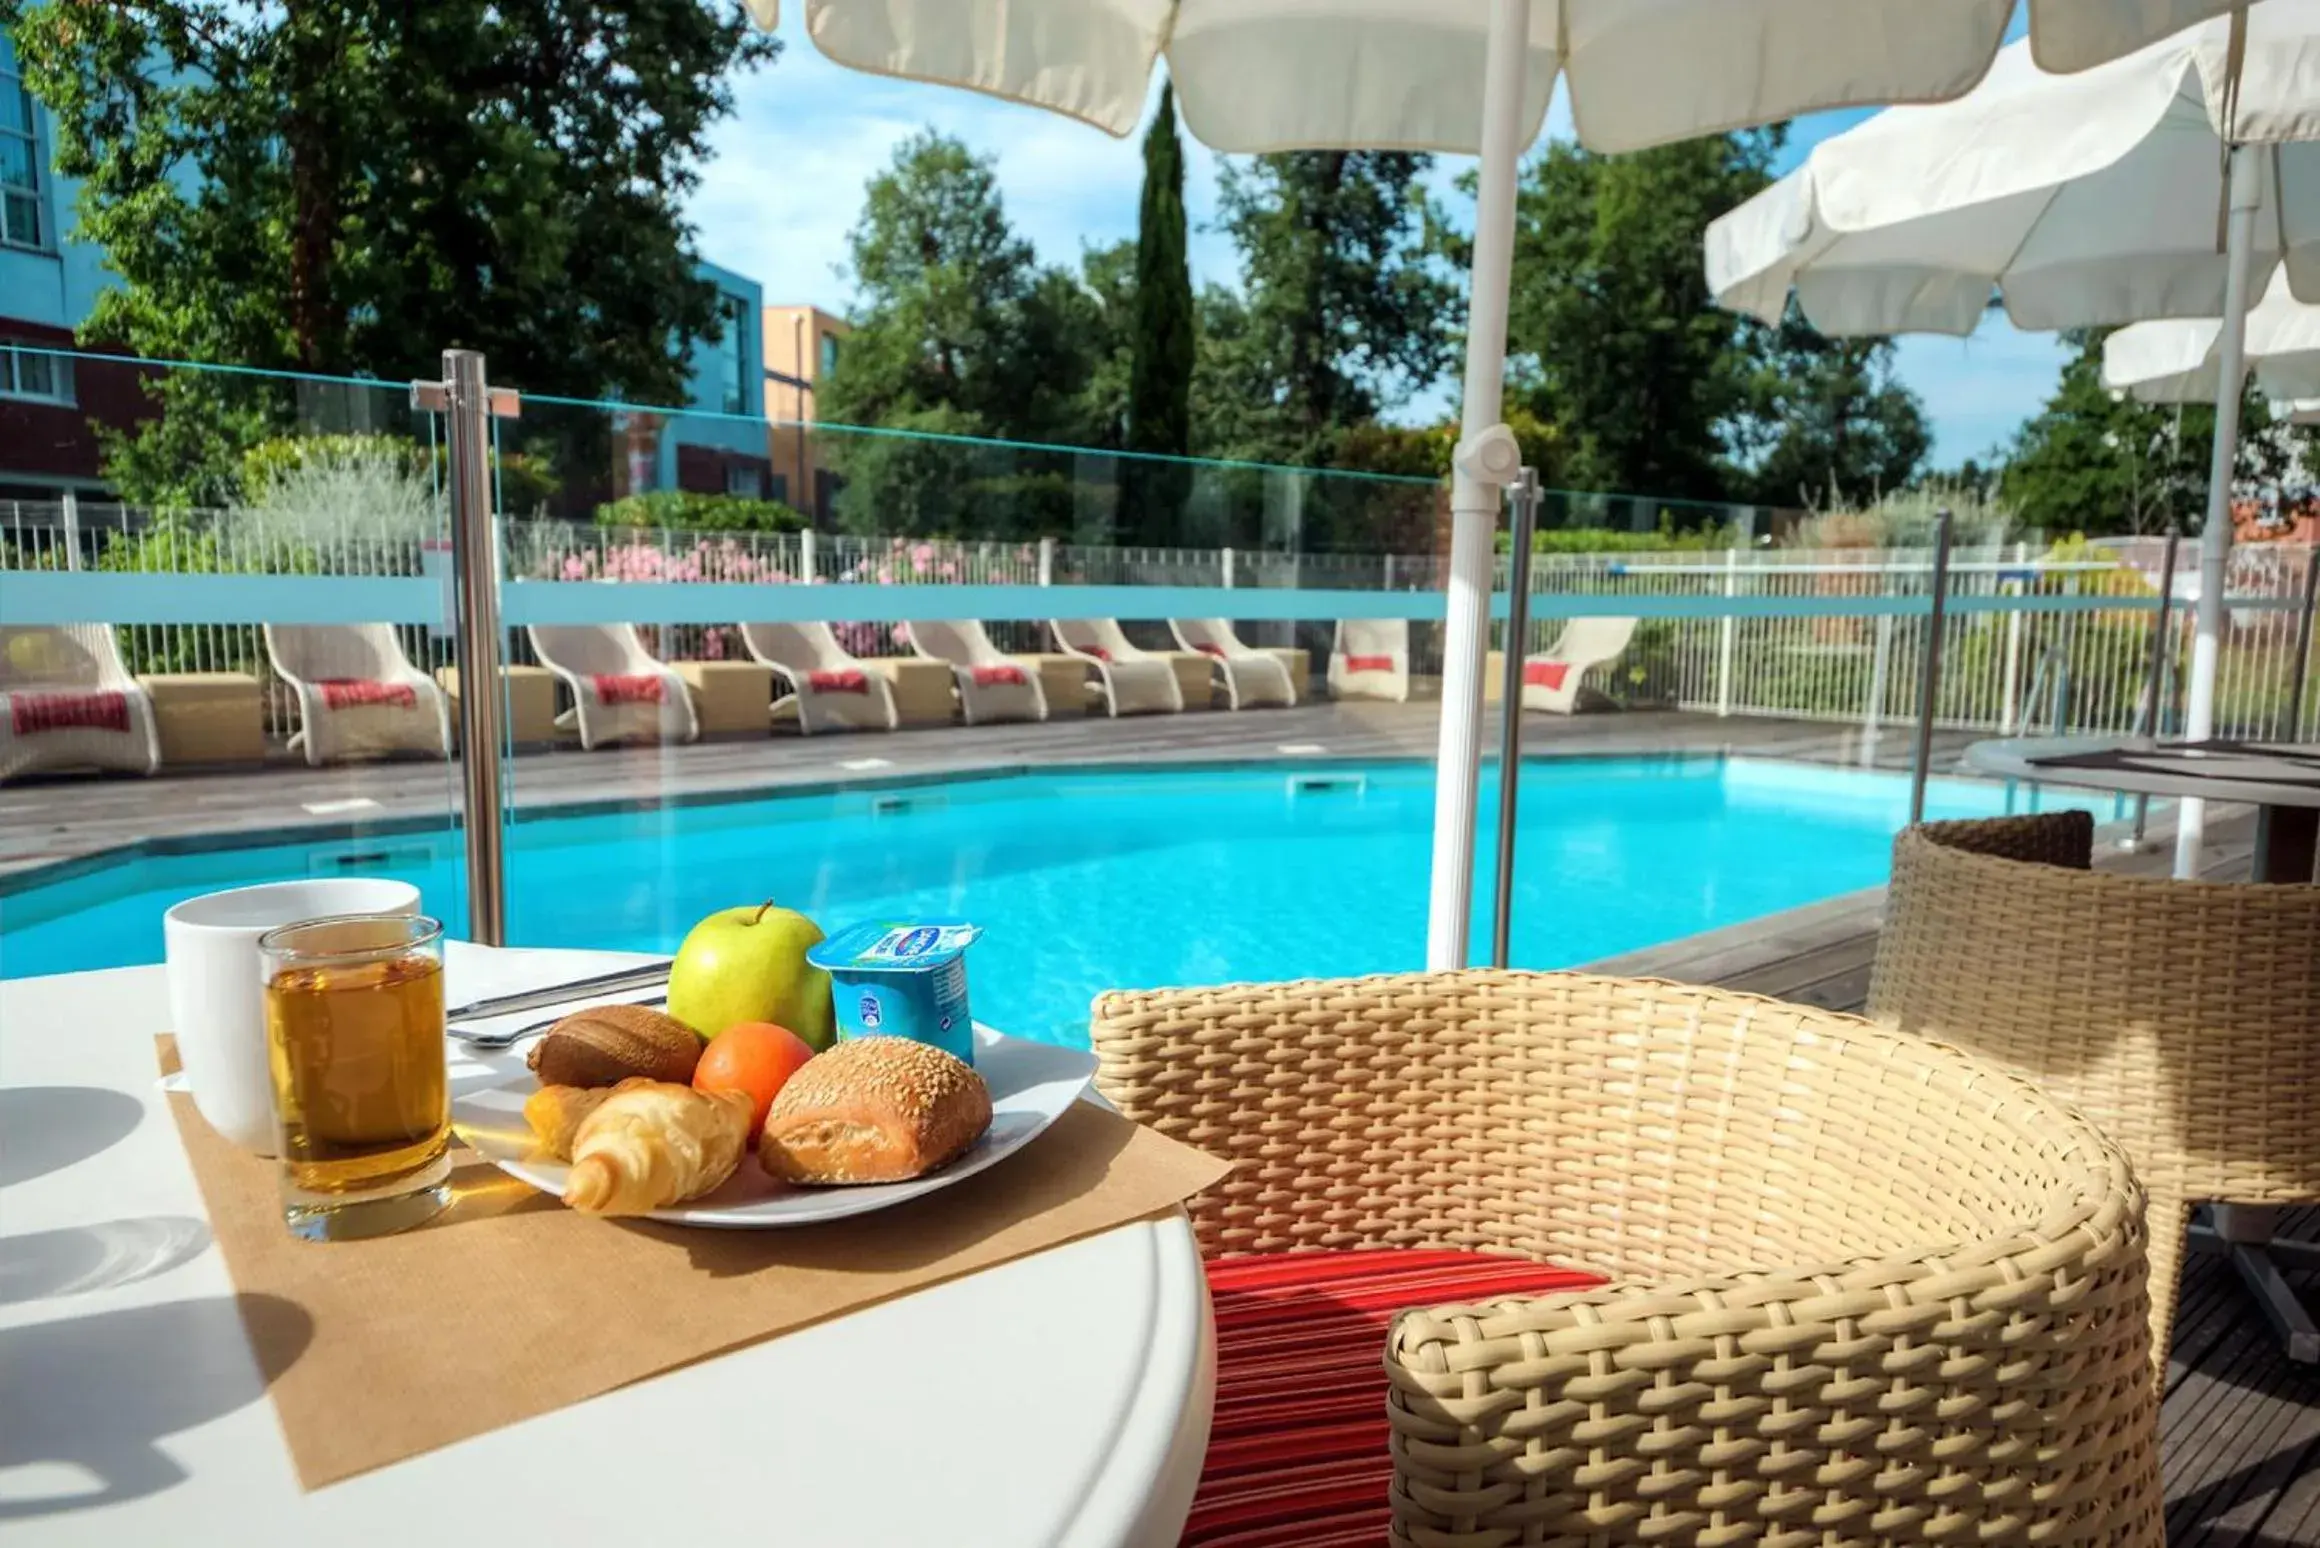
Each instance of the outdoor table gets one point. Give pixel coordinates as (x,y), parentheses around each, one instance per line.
(1062,1397)
(2280,779)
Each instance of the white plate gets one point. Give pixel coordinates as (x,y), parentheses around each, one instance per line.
(1031,1085)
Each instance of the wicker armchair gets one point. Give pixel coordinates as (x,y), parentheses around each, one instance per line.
(2182,1017)
(1862,1288)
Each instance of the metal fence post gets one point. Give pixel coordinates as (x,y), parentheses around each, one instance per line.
(1727,634)
(1225,563)
(1525,495)
(809,556)
(73,530)
(2303,665)
(1929,676)
(2009,711)
(2148,712)
(1047,561)
(1880,673)
(468,405)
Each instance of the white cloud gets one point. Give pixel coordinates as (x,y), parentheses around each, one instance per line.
(785,182)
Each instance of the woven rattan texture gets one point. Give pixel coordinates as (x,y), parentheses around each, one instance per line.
(2182,1017)
(1866,1290)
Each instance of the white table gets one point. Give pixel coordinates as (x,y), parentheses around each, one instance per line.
(1059,1398)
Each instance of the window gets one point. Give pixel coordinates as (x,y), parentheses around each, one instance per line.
(28,371)
(733,356)
(829,355)
(745,478)
(779,488)
(20,198)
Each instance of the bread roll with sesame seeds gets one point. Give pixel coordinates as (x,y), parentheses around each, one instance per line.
(873,1110)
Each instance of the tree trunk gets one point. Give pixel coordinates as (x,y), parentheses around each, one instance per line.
(307,45)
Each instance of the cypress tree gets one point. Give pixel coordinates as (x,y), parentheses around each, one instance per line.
(1160,368)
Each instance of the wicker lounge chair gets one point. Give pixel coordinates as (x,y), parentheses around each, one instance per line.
(991,686)
(1551,679)
(1861,1288)
(1135,681)
(1370,659)
(620,690)
(1250,676)
(359,696)
(833,691)
(66,701)
(2182,1017)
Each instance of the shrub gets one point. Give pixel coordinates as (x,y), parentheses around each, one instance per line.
(685,510)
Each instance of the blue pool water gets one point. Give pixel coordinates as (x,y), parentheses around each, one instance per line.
(1094,880)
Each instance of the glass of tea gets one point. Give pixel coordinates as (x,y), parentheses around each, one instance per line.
(354,1036)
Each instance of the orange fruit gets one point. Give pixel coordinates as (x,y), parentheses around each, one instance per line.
(756,1057)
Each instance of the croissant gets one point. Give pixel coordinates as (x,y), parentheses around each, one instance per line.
(556,1113)
(651,1144)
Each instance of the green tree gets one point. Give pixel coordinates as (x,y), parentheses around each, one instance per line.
(350,187)
(1161,358)
(959,331)
(1611,332)
(1345,310)
(2095,463)
(1824,422)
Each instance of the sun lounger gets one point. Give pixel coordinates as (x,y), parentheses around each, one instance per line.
(833,691)
(67,701)
(1371,659)
(991,686)
(1250,676)
(620,690)
(1551,678)
(1135,681)
(359,696)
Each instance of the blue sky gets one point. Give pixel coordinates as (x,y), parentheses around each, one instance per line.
(785,185)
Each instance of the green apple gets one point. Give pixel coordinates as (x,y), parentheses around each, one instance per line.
(749,964)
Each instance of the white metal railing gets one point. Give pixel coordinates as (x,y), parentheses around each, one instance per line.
(2033,642)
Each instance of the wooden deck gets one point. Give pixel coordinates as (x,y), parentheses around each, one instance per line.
(2241,1425)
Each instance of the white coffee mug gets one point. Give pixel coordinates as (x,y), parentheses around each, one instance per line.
(217,991)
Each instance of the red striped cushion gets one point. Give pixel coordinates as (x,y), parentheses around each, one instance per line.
(1545,674)
(355,692)
(1211,650)
(990,676)
(1098,652)
(104,709)
(1297,1455)
(1369,663)
(839,680)
(629,687)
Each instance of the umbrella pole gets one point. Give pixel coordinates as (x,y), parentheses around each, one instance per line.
(1486,461)
(2246,181)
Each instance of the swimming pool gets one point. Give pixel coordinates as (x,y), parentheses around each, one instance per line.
(1095,879)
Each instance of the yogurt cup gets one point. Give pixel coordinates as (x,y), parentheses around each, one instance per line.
(902,978)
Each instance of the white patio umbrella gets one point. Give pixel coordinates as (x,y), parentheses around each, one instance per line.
(2178,360)
(1272,75)
(2156,186)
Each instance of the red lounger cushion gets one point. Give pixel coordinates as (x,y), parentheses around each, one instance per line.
(1099,653)
(1369,663)
(1211,650)
(839,680)
(629,687)
(1545,674)
(987,676)
(103,710)
(353,692)
(1297,1456)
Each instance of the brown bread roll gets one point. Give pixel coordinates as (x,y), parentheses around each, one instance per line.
(607,1044)
(873,1110)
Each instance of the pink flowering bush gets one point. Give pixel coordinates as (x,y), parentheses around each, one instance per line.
(708,559)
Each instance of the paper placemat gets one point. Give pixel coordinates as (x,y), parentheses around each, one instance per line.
(509,1305)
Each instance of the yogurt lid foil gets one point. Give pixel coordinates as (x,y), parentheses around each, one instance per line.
(895,946)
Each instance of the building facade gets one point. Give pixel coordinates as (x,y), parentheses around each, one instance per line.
(802,345)
(52,406)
